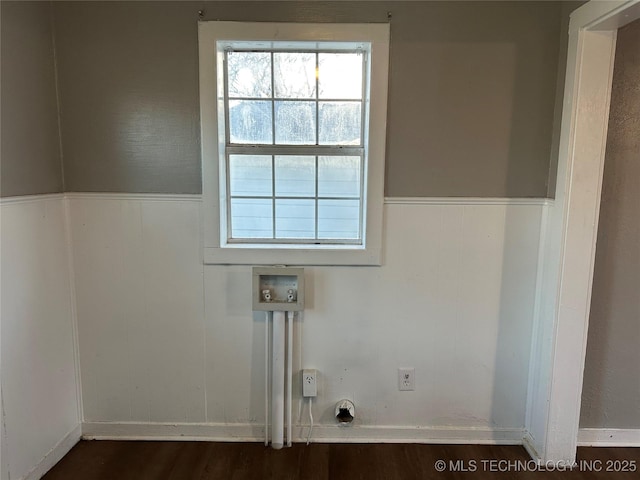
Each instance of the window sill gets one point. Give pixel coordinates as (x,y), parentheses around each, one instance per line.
(331,255)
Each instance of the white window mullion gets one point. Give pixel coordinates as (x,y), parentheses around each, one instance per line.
(317,112)
(273,195)
(273,142)
(273,108)
(316,197)
(317,96)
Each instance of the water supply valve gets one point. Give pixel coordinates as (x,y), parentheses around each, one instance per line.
(278,289)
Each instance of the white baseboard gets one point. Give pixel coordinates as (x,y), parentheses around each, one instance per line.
(609,437)
(55,454)
(321,433)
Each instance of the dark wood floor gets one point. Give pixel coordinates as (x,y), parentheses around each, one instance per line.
(107,460)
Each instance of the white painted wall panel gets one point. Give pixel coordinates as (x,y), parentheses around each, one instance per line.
(454,299)
(140,308)
(39,391)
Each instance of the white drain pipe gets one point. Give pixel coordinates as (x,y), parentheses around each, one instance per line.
(289,373)
(267,331)
(281,378)
(277,380)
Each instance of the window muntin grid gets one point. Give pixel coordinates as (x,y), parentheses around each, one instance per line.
(313,216)
(264,198)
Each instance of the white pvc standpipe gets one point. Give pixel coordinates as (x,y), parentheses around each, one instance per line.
(277,381)
(289,373)
(267,330)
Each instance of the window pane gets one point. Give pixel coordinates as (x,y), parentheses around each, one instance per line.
(295,219)
(340,75)
(294,75)
(250,121)
(251,218)
(295,176)
(339,219)
(338,176)
(249,74)
(295,123)
(339,123)
(250,175)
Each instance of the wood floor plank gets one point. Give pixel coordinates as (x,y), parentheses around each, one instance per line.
(130,460)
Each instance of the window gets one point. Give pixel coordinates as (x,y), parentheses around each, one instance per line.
(293,141)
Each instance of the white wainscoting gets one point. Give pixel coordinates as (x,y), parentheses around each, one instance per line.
(165,340)
(40,407)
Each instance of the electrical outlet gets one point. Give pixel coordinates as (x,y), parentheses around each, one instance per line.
(406,379)
(309,383)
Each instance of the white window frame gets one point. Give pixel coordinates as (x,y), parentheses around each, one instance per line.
(211,35)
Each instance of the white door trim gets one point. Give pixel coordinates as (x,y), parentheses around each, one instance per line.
(560,339)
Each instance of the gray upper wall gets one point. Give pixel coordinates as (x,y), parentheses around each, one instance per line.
(611,391)
(30,146)
(128,83)
(472,99)
(471,103)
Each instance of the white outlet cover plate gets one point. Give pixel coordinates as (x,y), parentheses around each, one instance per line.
(309,383)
